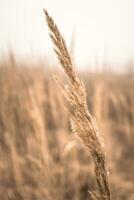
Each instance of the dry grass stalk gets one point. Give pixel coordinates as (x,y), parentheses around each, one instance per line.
(81,120)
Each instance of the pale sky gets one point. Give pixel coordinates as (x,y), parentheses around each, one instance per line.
(102,29)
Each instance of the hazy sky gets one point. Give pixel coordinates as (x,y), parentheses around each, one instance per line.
(100,28)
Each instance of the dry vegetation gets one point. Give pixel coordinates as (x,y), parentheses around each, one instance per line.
(40,158)
(82,122)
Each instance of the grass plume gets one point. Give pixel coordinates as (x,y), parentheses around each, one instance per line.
(82,122)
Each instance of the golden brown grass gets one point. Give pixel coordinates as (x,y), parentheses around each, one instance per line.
(39,156)
(82,122)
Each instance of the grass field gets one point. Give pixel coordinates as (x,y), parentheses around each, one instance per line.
(40,158)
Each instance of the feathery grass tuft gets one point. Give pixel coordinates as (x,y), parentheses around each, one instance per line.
(82,122)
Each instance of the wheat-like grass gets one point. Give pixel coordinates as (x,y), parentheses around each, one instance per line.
(83,124)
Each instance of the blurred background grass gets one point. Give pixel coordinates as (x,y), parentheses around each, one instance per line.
(40,158)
